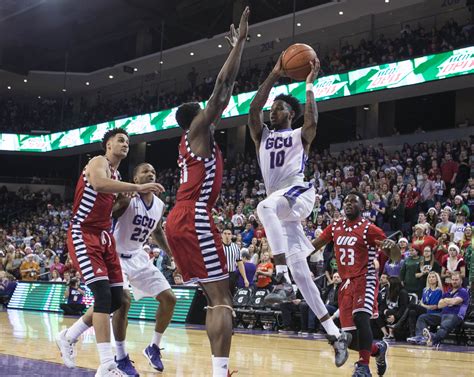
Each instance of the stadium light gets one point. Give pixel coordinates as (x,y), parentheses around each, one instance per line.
(259,35)
(191,53)
(219,46)
(25,80)
(341,13)
(87,83)
(9,87)
(111,77)
(298,24)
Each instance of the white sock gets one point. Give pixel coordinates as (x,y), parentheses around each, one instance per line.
(75,331)
(106,355)
(331,328)
(120,348)
(156,339)
(302,275)
(281,268)
(220,366)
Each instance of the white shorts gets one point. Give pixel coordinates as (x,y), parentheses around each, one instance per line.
(301,201)
(143,276)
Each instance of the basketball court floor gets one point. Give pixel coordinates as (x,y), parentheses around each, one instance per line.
(27,348)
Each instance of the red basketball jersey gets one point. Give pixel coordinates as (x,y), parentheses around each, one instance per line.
(92,209)
(201,178)
(354,246)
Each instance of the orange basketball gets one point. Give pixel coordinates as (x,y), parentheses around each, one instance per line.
(296,60)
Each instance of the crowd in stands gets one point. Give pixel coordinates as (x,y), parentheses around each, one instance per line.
(56,114)
(425,192)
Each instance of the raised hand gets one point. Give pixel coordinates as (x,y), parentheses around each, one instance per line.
(278,68)
(313,74)
(239,34)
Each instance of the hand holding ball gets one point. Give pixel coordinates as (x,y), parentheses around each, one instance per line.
(296,61)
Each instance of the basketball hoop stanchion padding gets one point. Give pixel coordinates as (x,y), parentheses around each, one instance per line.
(47,297)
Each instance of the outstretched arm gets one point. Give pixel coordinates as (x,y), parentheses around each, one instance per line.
(256,106)
(225,80)
(308,131)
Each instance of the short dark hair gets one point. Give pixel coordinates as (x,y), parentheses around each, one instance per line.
(137,168)
(186,113)
(112,133)
(292,101)
(360,196)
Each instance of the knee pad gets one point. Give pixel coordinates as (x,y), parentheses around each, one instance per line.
(117,298)
(102,296)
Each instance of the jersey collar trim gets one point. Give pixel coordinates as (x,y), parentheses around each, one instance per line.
(151,204)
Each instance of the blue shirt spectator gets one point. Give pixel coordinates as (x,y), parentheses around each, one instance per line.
(247,235)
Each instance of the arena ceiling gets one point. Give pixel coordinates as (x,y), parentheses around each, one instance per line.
(37,33)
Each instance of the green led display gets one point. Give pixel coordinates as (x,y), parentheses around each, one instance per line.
(49,297)
(386,76)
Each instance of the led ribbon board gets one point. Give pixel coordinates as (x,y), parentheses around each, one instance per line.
(49,296)
(386,76)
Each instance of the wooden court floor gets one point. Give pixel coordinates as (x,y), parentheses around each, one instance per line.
(186,351)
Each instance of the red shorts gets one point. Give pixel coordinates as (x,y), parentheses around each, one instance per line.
(93,254)
(196,243)
(357,294)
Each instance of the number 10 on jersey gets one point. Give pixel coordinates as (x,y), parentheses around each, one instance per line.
(277,159)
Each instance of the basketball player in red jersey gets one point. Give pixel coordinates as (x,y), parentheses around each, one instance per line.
(356,241)
(92,247)
(192,235)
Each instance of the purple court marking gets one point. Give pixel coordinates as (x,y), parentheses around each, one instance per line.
(13,366)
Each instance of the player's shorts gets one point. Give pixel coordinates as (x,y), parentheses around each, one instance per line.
(93,254)
(196,243)
(142,275)
(357,295)
(301,199)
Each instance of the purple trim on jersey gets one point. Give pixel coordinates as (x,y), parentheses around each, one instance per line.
(304,159)
(151,204)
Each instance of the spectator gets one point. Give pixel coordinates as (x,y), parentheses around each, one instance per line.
(404,249)
(238,220)
(453,263)
(247,234)
(408,272)
(178,279)
(393,267)
(55,277)
(58,266)
(432,293)
(427,265)
(454,304)
(457,230)
(445,225)
(449,170)
(264,272)
(427,192)
(421,239)
(29,269)
(396,212)
(393,307)
(250,270)
(74,296)
(459,207)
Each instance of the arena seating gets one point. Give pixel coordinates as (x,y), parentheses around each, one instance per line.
(22,116)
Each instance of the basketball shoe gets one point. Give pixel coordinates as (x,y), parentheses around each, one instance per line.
(67,350)
(109,370)
(126,366)
(153,355)
(340,346)
(381,358)
(361,370)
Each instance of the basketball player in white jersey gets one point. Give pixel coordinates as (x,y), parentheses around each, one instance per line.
(282,153)
(135,219)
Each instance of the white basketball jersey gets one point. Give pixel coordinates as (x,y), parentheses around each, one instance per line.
(132,229)
(282,158)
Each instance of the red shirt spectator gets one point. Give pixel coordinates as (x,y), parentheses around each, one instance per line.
(449,170)
(421,240)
